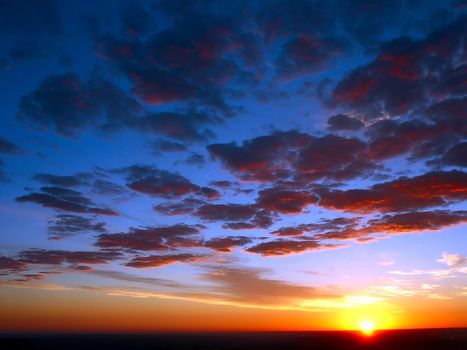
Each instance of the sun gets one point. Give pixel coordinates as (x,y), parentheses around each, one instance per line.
(367,327)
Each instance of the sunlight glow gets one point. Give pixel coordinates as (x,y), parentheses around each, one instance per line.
(367,327)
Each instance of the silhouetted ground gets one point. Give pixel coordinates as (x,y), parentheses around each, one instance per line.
(440,339)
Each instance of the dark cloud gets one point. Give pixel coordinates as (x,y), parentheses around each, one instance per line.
(163,146)
(151,238)
(245,216)
(63,180)
(197,160)
(3,176)
(344,122)
(162,183)
(59,257)
(64,199)
(281,19)
(232,212)
(456,155)
(366,21)
(451,83)
(308,53)
(186,206)
(404,194)
(26,50)
(135,19)
(96,181)
(181,127)
(9,148)
(169,238)
(65,225)
(162,260)
(68,105)
(106,187)
(126,277)
(337,224)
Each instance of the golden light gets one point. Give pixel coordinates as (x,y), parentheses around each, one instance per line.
(367,327)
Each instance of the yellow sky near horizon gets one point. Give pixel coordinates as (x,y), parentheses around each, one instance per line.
(43,310)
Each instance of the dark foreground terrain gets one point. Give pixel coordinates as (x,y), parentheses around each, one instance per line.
(449,339)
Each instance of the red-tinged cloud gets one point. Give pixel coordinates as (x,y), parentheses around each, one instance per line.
(391,138)
(285,201)
(239,226)
(404,194)
(442,127)
(66,200)
(283,247)
(285,154)
(334,157)
(290,231)
(192,60)
(162,260)
(226,244)
(404,73)
(259,158)
(8,264)
(417,221)
(159,238)
(411,222)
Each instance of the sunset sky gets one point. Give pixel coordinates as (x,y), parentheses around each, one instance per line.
(182,165)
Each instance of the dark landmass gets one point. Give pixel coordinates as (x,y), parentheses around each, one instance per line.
(449,339)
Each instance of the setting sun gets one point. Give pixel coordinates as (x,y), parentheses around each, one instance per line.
(367,327)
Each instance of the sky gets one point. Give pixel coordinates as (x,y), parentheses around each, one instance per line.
(181,165)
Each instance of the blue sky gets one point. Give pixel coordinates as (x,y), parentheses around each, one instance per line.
(305,156)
